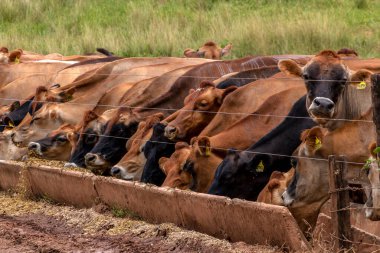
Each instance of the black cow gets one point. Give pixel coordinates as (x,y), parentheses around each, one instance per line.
(16,114)
(111,145)
(244,174)
(158,146)
(244,77)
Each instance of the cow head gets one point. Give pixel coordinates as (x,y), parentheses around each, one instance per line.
(156,147)
(50,116)
(272,192)
(90,129)
(9,121)
(372,206)
(191,167)
(8,150)
(209,50)
(111,145)
(326,79)
(56,145)
(131,165)
(309,187)
(174,167)
(51,95)
(199,109)
(241,175)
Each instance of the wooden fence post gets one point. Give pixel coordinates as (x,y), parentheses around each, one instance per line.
(375,90)
(340,203)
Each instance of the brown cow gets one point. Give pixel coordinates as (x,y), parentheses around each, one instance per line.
(191,167)
(131,165)
(372,206)
(329,95)
(7,57)
(56,145)
(8,150)
(272,192)
(174,167)
(309,188)
(200,108)
(209,50)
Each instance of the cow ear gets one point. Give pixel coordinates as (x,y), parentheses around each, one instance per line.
(226,50)
(290,67)
(161,164)
(193,140)
(226,92)
(357,77)
(54,86)
(191,53)
(180,145)
(4,50)
(204,146)
(273,184)
(313,139)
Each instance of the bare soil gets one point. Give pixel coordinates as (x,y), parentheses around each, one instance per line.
(42,226)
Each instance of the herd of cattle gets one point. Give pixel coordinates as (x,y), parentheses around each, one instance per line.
(258,128)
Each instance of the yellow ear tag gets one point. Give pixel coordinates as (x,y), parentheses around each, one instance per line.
(260,167)
(10,124)
(361,86)
(17,60)
(318,143)
(208,151)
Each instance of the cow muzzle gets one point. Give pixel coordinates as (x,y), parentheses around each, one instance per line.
(322,107)
(171,132)
(120,172)
(287,199)
(94,159)
(35,147)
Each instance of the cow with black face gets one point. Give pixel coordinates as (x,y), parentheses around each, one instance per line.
(89,131)
(111,145)
(157,144)
(329,93)
(244,174)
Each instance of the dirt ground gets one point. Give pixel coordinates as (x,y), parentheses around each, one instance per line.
(42,226)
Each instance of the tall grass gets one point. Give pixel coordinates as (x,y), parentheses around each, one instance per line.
(166,27)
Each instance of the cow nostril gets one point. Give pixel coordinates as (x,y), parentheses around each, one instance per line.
(115,171)
(172,129)
(330,106)
(90,157)
(32,145)
(316,102)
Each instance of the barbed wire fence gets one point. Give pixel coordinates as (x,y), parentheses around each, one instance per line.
(339,188)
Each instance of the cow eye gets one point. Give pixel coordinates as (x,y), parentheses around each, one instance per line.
(91,138)
(305,76)
(35,119)
(61,139)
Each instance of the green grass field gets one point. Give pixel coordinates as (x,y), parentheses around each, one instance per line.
(167,27)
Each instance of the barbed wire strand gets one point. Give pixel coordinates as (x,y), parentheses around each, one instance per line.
(181,109)
(216,148)
(180,76)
